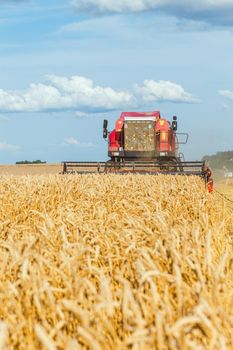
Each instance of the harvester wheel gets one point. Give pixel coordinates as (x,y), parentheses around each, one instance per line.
(177,165)
(112,165)
(181,169)
(172,165)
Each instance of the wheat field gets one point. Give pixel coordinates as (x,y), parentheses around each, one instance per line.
(114,262)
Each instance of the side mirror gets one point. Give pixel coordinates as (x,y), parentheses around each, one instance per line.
(105,129)
(174,123)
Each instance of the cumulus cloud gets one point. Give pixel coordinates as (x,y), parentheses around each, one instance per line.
(4,146)
(62,93)
(225,106)
(161,90)
(71,141)
(220,11)
(80,94)
(226,93)
(81,115)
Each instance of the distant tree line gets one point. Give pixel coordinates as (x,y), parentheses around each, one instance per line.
(220,160)
(31,162)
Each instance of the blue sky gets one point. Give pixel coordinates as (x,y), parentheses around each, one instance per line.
(67,65)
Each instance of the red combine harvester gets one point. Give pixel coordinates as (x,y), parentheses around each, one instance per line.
(144,143)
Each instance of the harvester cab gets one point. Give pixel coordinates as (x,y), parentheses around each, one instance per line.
(144,143)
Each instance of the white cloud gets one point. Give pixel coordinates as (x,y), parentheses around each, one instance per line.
(65,94)
(81,115)
(87,25)
(4,146)
(225,106)
(164,91)
(80,94)
(143,5)
(71,141)
(226,93)
(207,10)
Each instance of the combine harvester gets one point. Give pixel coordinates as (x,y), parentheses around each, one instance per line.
(144,143)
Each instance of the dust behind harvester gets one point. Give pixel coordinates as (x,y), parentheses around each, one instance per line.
(144,143)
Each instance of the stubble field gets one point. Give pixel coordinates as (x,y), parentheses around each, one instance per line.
(114,262)
(30,169)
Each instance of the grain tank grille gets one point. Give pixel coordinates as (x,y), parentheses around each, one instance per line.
(139,135)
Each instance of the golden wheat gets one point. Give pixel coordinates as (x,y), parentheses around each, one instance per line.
(114,262)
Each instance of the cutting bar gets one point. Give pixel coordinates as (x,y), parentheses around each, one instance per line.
(145,167)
